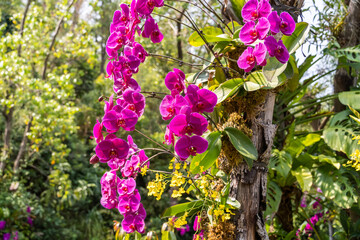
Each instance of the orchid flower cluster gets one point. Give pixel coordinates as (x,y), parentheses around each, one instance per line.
(308,229)
(120,155)
(259,22)
(185,111)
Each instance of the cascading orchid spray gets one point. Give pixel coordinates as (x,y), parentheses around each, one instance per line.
(124,157)
(184,106)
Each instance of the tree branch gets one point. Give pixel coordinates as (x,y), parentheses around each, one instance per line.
(58,26)
(21,32)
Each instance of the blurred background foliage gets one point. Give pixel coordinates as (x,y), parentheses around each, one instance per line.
(51,75)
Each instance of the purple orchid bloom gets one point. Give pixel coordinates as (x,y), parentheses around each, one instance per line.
(175,80)
(250,32)
(109,104)
(109,182)
(132,223)
(187,146)
(145,7)
(97,132)
(119,117)
(188,124)
(202,100)
(253,10)
(111,149)
(277,49)
(30,221)
(129,204)
(116,40)
(169,137)
(2,224)
(184,229)
(285,23)
(131,167)
(120,18)
(196,225)
(6,236)
(121,84)
(248,58)
(133,101)
(151,29)
(126,187)
(116,163)
(139,51)
(16,235)
(170,106)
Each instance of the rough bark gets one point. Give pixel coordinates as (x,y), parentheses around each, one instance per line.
(8,115)
(349,36)
(22,147)
(248,186)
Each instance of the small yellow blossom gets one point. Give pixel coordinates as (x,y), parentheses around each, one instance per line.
(144,170)
(181,221)
(178,193)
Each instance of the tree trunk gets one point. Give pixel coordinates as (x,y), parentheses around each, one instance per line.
(350,36)
(248,186)
(7,137)
(22,147)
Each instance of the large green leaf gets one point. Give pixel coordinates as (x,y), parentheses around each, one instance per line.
(340,139)
(273,199)
(292,75)
(351,98)
(228,88)
(273,69)
(281,162)
(256,80)
(242,144)
(310,139)
(304,178)
(298,37)
(237,5)
(335,186)
(211,34)
(204,161)
(181,208)
(351,53)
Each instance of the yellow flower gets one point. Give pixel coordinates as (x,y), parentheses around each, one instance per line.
(144,170)
(178,193)
(181,221)
(156,187)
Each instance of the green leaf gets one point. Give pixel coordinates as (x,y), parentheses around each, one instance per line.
(281,162)
(351,53)
(304,177)
(237,5)
(220,75)
(273,69)
(293,80)
(306,65)
(242,144)
(207,158)
(256,80)
(351,98)
(298,37)
(211,34)
(228,88)
(339,138)
(273,199)
(181,208)
(330,160)
(310,139)
(335,186)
